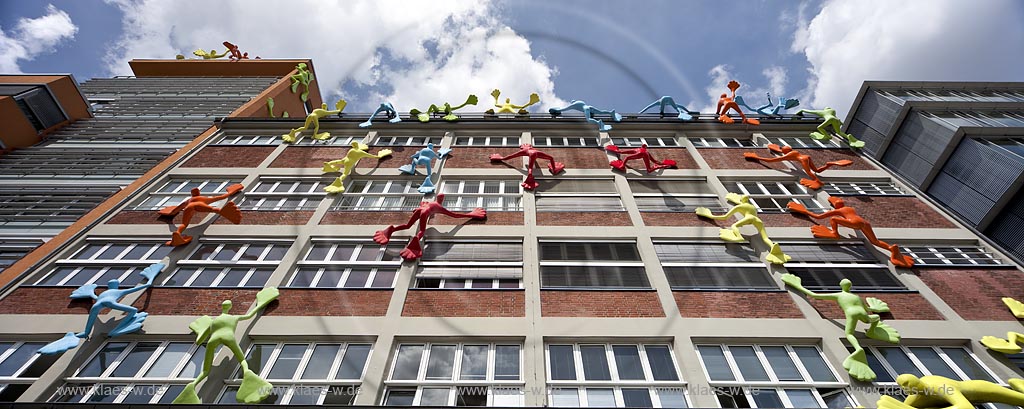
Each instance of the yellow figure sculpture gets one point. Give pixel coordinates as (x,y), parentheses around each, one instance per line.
(314,119)
(508,107)
(1006,346)
(935,391)
(744,208)
(357,152)
(1016,307)
(211,55)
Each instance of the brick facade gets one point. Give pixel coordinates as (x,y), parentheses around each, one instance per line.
(478,157)
(976,294)
(384,219)
(583,219)
(315,156)
(902,306)
(229,157)
(44,300)
(633,304)
(465,303)
(732,158)
(897,211)
(682,157)
(680,219)
(271,217)
(144,217)
(292,302)
(577,158)
(732,304)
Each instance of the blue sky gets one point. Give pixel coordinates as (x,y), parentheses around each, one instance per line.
(619,55)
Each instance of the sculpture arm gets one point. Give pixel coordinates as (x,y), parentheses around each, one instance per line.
(512,156)
(794,281)
(724,216)
(811,111)
(137,288)
(471,215)
(470,100)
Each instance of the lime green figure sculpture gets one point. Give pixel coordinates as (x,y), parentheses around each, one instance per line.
(212,55)
(302,76)
(314,119)
(933,391)
(352,157)
(1016,307)
(446,109)
(744,208)
(856,311)
(220,331)
(508,107)
(830,120)
(270,109)
(1006,346)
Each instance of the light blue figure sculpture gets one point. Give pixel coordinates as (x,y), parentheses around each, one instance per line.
(667,101)
(107,299)
(784,104)
(588,113)
(424,157)
(388,109)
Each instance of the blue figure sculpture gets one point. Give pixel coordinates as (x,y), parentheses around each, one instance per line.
(424,157)
(588,113)
(388,109)
(107,299)
(684,114)
(784,104)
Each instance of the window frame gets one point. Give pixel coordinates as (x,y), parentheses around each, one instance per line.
(723,142)
(468,283)
(803,196)
(581,384)
(540,195)
(934,253)
(458,195)
(69,260)
(804,142)
(875,187)
(389,384)
(347,265)
(486,140)
(410,187)
(225,266)
(309,201)
(651,141)
(407,140)
(562,141)
(920,366)
(247,140)
(590,263)
(15,378)
(759,265)
(168,198)
(877,264)
(645,208)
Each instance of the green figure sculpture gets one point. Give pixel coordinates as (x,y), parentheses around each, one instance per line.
(304,77)
(212,55)
(856,311)
(220,331)
(744,208)
(314,119)
(508,107)
(830,120)
(446,109)
(270,109)
(933,391)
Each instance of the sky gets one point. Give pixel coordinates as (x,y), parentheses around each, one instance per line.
(613,55)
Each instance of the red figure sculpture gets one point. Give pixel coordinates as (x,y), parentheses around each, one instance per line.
(198,203)
(640,153)
(726,102)
(848,217)
(235,53)
(413,250)
(528,150)
(788,154)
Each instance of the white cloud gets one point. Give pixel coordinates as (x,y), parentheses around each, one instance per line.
(411,54)
(753,95)
(847,43)
(34,36)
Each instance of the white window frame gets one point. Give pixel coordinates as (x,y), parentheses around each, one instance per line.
(468,283)
(715,142)
(845,265)
(247,140)
(538,196)
(274,200)
(373,202)
(651,141)
(699,196)
(334,140)
(78,264)
(863,188)
(162,383)
(581,385)
(456,200)
(805,142)
(924,370)
(179,191)
(209,264)
(347,265)
(610,262)
(964,252)
(454,383)
(792,191)
(567,141)
(485,140)
(759,265)
(14,378)
(407,140)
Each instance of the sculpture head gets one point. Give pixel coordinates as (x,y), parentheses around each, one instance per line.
(301,66)
(508,100)
(846,285)
(736,198)
(323,106)
(195,191)
(724,96)
(909,382)
(525,146)
(355,145)
(837,202)
(787,149)
(225,306)
(113,284)
(439,198)
(430,145)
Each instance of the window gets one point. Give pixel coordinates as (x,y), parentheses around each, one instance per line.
(566,141)
(772,197)
(651,141)
(823,266)
(340,140)
(380,195)
(249,140)
(880,188)
(772,376)
(100,261)
(38,105)
(567,264)
(122,164)
(407,140)
(455,374)
(284,194)
(719,266)
(575,195)
(20,366)
(614,375)
(487,140)
(1013,145)
(229,264)
(723,142)
(493,195)
(28,206)
(12,250)
(951,255)
(175,191)
(666,195)
(305,373)
(954,362)
(135,372)
(348,264)
(464,264)
(803,142)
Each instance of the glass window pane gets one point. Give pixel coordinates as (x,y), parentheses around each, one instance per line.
(802,398)
(595,363)
(836,400)
(600,398)
(341,395)
(319,366)
(660,360)
(287,361)
(671,398)
(141,394)
(172,355)
(306,395)
(474,362)
(105,393)
(933,362)
(876,366)
(746,360)
(565,398)
(966,363)
(195,364)
(407,365)
(471,396)
(506,362)
(627,359)
(103,359)
(714,361)
(258,357)
(17,359)
(506,397)
(562,365)
(400,398)
(899,360)
(767,398)
(170,393)
(435,396)
(814,364)
(354,361)
(637,397)
(784,367)
(441,363)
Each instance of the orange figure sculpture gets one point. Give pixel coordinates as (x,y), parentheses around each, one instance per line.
(848,217)
(198,203)
(528,150)
(788,154)
(236,54)
(726,102)
(649,162)
(413,250)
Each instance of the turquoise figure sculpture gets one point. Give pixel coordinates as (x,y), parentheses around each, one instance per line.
(784,104)
(830,120)
(424,157)
(302,77)
(588,113)
(109,298)
(388,110)
(446,109)
(667,101)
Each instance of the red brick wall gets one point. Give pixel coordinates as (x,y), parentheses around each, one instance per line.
(229,157)
(315,156)
(465,303)
(680,219)
(271,217)
(897,211)
(142,217)
(292,302)
(682,157)
(821,156)
(902,306)
(44,300)
(384,219)
(788,220)
(976,294)
(583,219)
(733,304)
(577,158)
(479,157)
(732,158)
(556,303)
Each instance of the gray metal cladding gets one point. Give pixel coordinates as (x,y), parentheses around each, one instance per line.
(991,180)
(191,86)
(1005,230)
(924,136)
(907,164)
(960,198)
(873,139)
(878,112)
(44,107)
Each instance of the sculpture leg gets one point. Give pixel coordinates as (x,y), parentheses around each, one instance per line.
(413,250)
(316,130)
(812,182)
(577,106)
(732,234)
(850,139)
(857,363)
(189,395)
(530,183)
(369,121)
(775,254)
(660,101)
(128,321)
(822,133)
(93,313)
(178,238)
(553,166)
(615,115)
(339,184)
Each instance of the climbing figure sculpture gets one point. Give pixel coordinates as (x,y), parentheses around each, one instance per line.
(508,107)
(355,153)
(830,120)
(424,157)
(302,77)
(588,113)
(748,211)
(201,204)
(667,101)
(856,310)
(533,153)
(314,119)
(446,109)
(109,298)
(784,104)
(843,215)
(211,55)
(641,153)
(788,154)
(1006,346)
(236,54)
(220,331)
(388,110)
(421,215)
(726,102)
(1016,307)
(933,391)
